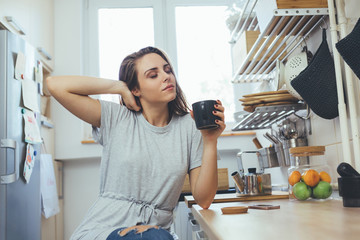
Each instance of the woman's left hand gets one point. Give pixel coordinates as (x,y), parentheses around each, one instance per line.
(138,228)
(213,134)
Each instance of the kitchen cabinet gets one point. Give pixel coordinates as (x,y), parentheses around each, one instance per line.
(53,227)
(181,223)
(36,18)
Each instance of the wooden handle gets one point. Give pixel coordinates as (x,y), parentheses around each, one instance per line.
(257,143)
(307,149)
(271,99)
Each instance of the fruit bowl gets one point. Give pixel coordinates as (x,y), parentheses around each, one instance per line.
(309,182)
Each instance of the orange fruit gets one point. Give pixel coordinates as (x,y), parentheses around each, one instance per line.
(294,177)
(324,176)
(311,177)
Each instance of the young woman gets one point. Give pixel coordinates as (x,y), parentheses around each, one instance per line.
(150,143)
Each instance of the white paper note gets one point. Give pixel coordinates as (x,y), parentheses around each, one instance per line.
(29,162)
(49,196)
(31,128)
(30,94)
(20,66)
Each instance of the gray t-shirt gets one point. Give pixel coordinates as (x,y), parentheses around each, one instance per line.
(143,168)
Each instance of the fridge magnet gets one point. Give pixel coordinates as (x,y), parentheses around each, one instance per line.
(29,162)
(29,93)
(31,128)
(20,66)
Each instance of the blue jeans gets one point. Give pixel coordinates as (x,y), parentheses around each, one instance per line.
(150,234)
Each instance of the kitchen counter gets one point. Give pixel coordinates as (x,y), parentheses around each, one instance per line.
(190,200)
(294,220)
(231,197)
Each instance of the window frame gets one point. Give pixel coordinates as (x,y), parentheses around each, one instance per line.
(164,27)
(91,40)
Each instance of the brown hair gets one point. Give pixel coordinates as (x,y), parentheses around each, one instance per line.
(128,74)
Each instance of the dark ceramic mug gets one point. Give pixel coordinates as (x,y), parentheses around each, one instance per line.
(203,114)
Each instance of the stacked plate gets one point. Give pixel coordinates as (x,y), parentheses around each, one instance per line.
(252,101)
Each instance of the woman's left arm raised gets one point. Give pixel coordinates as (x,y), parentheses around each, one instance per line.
(204,179)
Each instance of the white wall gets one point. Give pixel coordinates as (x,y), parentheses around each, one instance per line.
(69,61)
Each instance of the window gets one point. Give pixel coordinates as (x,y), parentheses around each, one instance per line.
(116,30)
(203,55)
(193,33)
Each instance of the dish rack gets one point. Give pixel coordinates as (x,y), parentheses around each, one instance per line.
(264,117)
(286,30)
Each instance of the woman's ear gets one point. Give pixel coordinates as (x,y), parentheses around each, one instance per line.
(136,92)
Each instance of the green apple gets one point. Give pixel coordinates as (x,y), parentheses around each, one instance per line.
(301,191)
(322,190)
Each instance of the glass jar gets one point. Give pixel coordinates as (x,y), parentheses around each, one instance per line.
(310,176)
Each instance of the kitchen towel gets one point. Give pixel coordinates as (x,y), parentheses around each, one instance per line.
(316,84)
(349,49)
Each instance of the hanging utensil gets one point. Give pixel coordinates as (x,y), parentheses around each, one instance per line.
(270,138)
(292,69)
(257,143)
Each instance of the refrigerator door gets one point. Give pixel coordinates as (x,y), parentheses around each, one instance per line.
(20,202)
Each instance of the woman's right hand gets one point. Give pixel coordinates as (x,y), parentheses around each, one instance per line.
(128,97)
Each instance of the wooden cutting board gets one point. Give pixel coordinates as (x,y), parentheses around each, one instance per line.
(270,99)
(267,93)
(231,197)
(248,99)
(223,181)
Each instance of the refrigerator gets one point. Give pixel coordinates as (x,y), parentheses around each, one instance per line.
(20,202)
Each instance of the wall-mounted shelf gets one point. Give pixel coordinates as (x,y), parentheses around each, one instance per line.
(46,122)
(264,117)
(286,30)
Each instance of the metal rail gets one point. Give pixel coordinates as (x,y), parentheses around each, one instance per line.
(264,117)
(283,34)
(235,35)
(299,41)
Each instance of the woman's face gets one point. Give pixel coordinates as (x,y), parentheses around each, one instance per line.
(157,82)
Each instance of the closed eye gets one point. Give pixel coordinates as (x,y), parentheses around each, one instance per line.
(153,75)
(167,68)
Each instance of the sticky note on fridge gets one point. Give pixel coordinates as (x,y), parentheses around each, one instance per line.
(20,66)
(30,94)
(31,128)
(29,162)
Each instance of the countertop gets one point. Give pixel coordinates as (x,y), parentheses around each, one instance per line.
(231,197)
(312,219)
(187,196)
